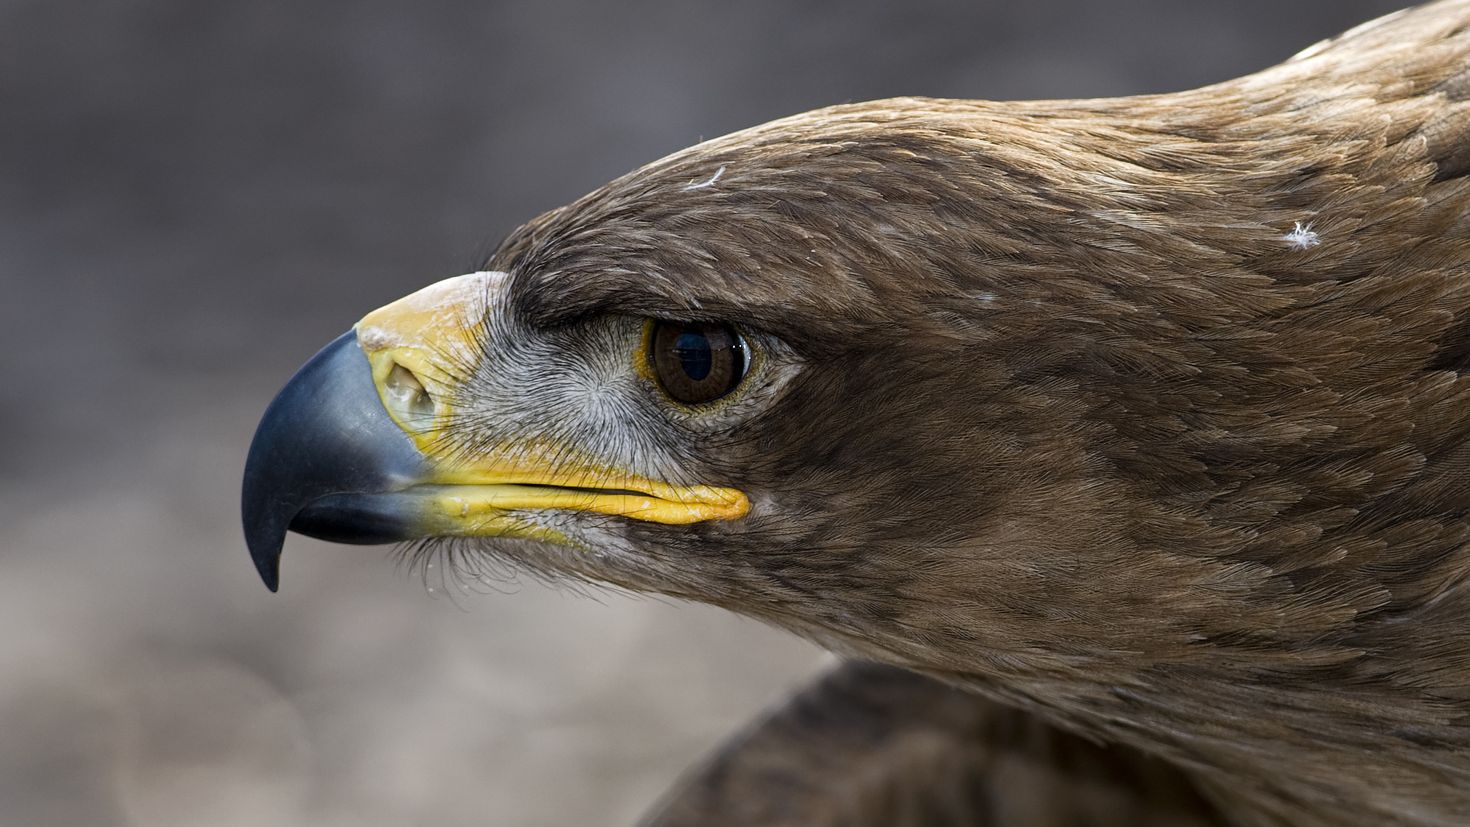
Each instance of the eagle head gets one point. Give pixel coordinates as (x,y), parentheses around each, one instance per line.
(1150,413)
(1123,408)
(822,372)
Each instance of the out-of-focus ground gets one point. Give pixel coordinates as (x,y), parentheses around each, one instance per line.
(194,196)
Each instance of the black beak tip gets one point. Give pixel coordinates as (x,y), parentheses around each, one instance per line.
(265,534)
(267,559)
(270,574)
(265,528)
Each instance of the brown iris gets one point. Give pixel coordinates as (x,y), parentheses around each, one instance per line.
(696,362)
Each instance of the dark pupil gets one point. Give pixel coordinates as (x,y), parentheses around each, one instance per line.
(694,354)
(695,362)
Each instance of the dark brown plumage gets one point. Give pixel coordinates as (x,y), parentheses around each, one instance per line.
(874,745)
(1093,433)
(1147,418)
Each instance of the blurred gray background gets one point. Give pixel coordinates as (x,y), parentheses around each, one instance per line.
(196,195)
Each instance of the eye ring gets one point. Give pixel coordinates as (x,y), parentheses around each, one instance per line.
(695,362)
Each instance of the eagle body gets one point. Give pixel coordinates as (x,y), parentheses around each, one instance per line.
(1145,418)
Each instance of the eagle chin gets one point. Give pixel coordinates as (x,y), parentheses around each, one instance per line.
(1148,418)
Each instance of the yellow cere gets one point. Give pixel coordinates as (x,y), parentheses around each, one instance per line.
(408,343)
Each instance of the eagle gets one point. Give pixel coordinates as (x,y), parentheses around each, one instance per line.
(1122,446)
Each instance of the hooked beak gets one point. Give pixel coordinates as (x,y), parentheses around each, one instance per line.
(346,451)
(323,455)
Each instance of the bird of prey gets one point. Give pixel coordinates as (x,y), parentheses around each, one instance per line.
(1131,437)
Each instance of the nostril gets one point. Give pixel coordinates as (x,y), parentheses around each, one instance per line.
(407,396)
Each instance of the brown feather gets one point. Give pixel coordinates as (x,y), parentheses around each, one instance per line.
(1149,416)
(873,746)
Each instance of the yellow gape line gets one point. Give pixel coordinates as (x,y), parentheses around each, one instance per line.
(470,502)
(413,343)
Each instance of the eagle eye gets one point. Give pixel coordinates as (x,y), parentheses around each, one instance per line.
(695,362)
